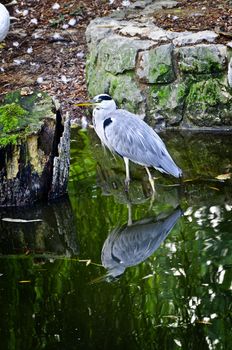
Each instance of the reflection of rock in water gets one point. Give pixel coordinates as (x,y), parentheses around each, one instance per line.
(56,234)
(130,245)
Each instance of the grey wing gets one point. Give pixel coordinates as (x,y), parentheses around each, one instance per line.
(132,138)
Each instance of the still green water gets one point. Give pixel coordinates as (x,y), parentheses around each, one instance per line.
(86,278)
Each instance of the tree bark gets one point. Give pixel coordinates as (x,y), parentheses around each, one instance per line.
(34,151)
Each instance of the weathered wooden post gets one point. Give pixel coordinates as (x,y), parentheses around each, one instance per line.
(34,149)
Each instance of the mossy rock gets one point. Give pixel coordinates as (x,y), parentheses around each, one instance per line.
(202,59)
(118,54)
(98,80)
(209,104)
(165,103)
(155,65)
(23,115)
(127,93)
(122,87)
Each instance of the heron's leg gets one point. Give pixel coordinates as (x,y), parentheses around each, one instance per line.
(127,179)
(129,222)
(150,179)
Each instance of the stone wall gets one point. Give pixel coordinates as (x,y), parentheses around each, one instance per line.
(176,79)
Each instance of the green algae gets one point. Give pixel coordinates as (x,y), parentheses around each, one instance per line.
(210,92)
(12,119)
(126,92)
(21,116)
(156,66)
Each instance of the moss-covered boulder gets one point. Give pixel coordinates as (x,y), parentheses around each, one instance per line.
(209,104)
(202,59)
(155,65)
(97,80)
(121,56)
(165,103)
(127,93)
(34,149)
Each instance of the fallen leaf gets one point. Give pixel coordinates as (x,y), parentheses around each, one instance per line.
(203,322)
(223,176)
(21,220)
(189,180)
(25,281)
(214,188)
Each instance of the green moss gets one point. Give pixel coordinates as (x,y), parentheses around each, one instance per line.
(162,73)
(202,67)
(163,69)
(163,95)
(202,59)
(23,115)
(209,103)
(181,92)
(155,65)
(207,93)
(168,96)
(11,117)
(126,92)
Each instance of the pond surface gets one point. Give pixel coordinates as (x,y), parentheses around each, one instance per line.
(110,270)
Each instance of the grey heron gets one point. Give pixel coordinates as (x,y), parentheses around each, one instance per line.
(127,135)
(4,22)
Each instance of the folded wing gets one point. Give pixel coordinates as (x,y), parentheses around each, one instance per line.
(131,137)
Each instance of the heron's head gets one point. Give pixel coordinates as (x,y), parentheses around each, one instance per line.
(102,101)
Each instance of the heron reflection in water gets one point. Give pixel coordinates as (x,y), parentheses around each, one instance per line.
(131,244)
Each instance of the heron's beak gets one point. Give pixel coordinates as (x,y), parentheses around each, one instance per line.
(84,104)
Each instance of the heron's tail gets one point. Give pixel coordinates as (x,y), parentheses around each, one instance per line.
(177,172)
(169,167)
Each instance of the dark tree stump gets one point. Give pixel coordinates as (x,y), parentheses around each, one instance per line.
(34,149)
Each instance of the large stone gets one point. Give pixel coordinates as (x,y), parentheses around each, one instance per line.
(202,58)
(98,80)
(151,32)
(195,38)
(123,88)
(209,104)
(127,93)
(155,65)
(118,54)
(100,28)
(165,103)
